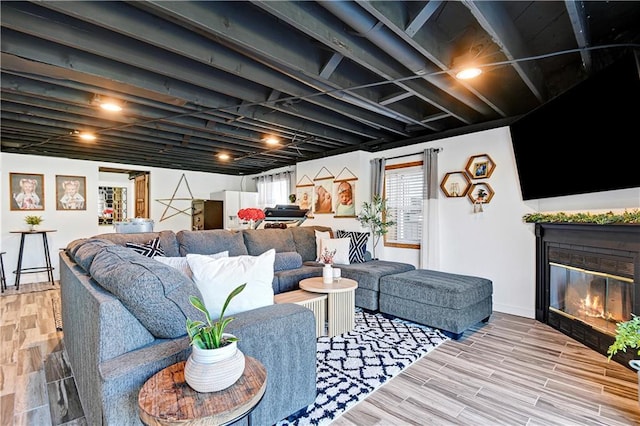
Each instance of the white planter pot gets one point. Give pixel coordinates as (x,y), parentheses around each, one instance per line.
(212,370)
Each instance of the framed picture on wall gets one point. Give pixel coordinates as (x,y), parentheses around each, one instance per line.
(344,194)
(322,198)
(71,192)
(26,191)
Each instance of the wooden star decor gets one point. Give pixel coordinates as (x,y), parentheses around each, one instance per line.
(173,198)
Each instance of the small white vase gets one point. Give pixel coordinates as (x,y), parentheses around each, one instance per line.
(212,370)
(327,274)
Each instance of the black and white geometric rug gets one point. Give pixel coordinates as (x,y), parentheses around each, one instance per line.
(353,365)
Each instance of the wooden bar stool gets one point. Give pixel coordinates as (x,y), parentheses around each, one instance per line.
(3,278)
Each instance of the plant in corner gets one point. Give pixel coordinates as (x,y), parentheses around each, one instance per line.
(376,217)
(628,336)
(215,362)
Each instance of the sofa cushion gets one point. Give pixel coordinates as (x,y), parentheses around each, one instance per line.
(358,245)
(83,253)
(289,280)
(340,246)
(168,240)
(287,260)
(216,278)
(211,241)
(156,294)
(321,235)
(259,241)
(368,274)
(181,264)
(305,240)
(150,248)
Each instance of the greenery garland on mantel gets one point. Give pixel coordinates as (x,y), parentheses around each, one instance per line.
(632,217)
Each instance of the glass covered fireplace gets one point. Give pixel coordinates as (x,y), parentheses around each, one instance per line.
(598,299)
(588,280)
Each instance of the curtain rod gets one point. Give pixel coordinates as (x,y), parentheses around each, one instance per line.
(409,155)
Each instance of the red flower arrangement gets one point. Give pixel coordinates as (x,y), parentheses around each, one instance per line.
(251,214)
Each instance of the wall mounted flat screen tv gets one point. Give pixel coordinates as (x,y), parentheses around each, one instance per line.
(585,140)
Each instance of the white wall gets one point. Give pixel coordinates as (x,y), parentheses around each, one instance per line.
(165,184)
(495,244)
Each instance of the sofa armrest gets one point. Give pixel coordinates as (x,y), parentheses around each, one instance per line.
(283,338)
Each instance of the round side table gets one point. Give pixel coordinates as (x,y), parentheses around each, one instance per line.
(341,300)
(166,399)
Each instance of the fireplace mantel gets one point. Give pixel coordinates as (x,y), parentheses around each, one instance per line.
(613,249)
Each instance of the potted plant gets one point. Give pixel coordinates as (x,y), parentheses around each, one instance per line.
(215,362)
(628,336)
(33,221)
(376,217)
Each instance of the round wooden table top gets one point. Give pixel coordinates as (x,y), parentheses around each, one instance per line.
(315,285)
(166,399)
(33,231)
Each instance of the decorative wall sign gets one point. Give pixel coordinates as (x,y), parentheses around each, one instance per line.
(344,193)
(322,198)
(304,193)
(455,184)
(26,191)
(71,192)
(480,166)
(173,198)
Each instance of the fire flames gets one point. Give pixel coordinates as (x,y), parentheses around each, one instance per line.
(592,306)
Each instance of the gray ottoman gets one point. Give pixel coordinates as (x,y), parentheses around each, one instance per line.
(449,302)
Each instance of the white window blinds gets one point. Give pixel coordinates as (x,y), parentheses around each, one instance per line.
(404,191)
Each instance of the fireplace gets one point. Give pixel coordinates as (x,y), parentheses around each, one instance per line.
(587,280)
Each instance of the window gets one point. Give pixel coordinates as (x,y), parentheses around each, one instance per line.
(273,189)
(404,185)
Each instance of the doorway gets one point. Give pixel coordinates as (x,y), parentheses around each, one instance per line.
(124,183)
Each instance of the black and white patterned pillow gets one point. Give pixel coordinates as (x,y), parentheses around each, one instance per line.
(150,249)
(357,246)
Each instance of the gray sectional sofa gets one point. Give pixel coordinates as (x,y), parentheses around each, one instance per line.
(124,315)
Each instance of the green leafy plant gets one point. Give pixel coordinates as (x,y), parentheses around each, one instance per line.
(632,216)
(33,220)
(376,217)
(209,335)
(627,336)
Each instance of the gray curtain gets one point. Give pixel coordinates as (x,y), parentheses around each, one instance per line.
(377,176)
(430,244)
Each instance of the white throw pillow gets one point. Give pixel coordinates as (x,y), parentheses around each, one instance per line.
(340,245)
(216,278)
(181,264)
(320,235)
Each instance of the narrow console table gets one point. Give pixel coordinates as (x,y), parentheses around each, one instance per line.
(47,257)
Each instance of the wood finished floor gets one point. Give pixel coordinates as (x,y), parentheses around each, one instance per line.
(510,371)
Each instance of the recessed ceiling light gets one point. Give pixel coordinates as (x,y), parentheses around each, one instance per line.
(223,156)
(468,73)
(110,106)
(271,140)
(87,136)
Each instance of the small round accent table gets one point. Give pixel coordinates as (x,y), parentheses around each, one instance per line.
(340,302)
(166,399)
(47,258)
